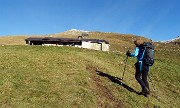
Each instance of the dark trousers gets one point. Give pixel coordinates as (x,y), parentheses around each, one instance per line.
(141,75)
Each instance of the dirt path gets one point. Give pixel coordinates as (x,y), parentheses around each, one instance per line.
(103,92)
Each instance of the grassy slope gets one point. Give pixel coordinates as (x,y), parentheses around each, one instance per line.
(36,76)
(12,40)
(46,76)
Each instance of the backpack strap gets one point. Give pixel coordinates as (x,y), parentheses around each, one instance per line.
(143,52)
(141,62)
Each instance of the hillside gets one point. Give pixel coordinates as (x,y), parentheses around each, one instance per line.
(67,77)
(118,42)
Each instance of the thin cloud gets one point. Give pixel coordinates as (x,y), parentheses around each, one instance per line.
(155,22)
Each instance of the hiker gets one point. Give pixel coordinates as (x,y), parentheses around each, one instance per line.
(141,69)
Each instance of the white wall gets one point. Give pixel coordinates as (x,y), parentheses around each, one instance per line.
(86,44)
(96,46)
(105,47)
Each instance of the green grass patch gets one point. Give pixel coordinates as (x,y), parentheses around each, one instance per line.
(67,77)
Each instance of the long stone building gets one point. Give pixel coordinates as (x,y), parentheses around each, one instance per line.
(95,44)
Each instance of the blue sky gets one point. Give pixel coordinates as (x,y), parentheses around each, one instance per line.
(154,19)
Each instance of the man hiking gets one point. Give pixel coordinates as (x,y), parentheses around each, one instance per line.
(142,68)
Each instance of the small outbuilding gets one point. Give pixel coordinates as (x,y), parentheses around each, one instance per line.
(95,44)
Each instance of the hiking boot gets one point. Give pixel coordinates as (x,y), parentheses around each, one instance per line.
(146,94)
(141,93)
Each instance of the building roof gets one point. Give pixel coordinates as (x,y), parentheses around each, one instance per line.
(56,39)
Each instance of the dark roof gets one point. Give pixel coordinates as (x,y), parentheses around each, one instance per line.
(96,40)
(65,39)
(50,39)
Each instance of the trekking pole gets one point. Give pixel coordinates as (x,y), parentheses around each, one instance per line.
(125,66)
(156,95)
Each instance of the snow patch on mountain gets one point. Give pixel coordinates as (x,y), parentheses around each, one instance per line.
(75,32)
(172,40)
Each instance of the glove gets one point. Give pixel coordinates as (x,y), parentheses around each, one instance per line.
(128,53)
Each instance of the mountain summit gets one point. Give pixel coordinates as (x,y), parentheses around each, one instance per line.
(75,32)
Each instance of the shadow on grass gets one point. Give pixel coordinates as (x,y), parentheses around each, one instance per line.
(116,80)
